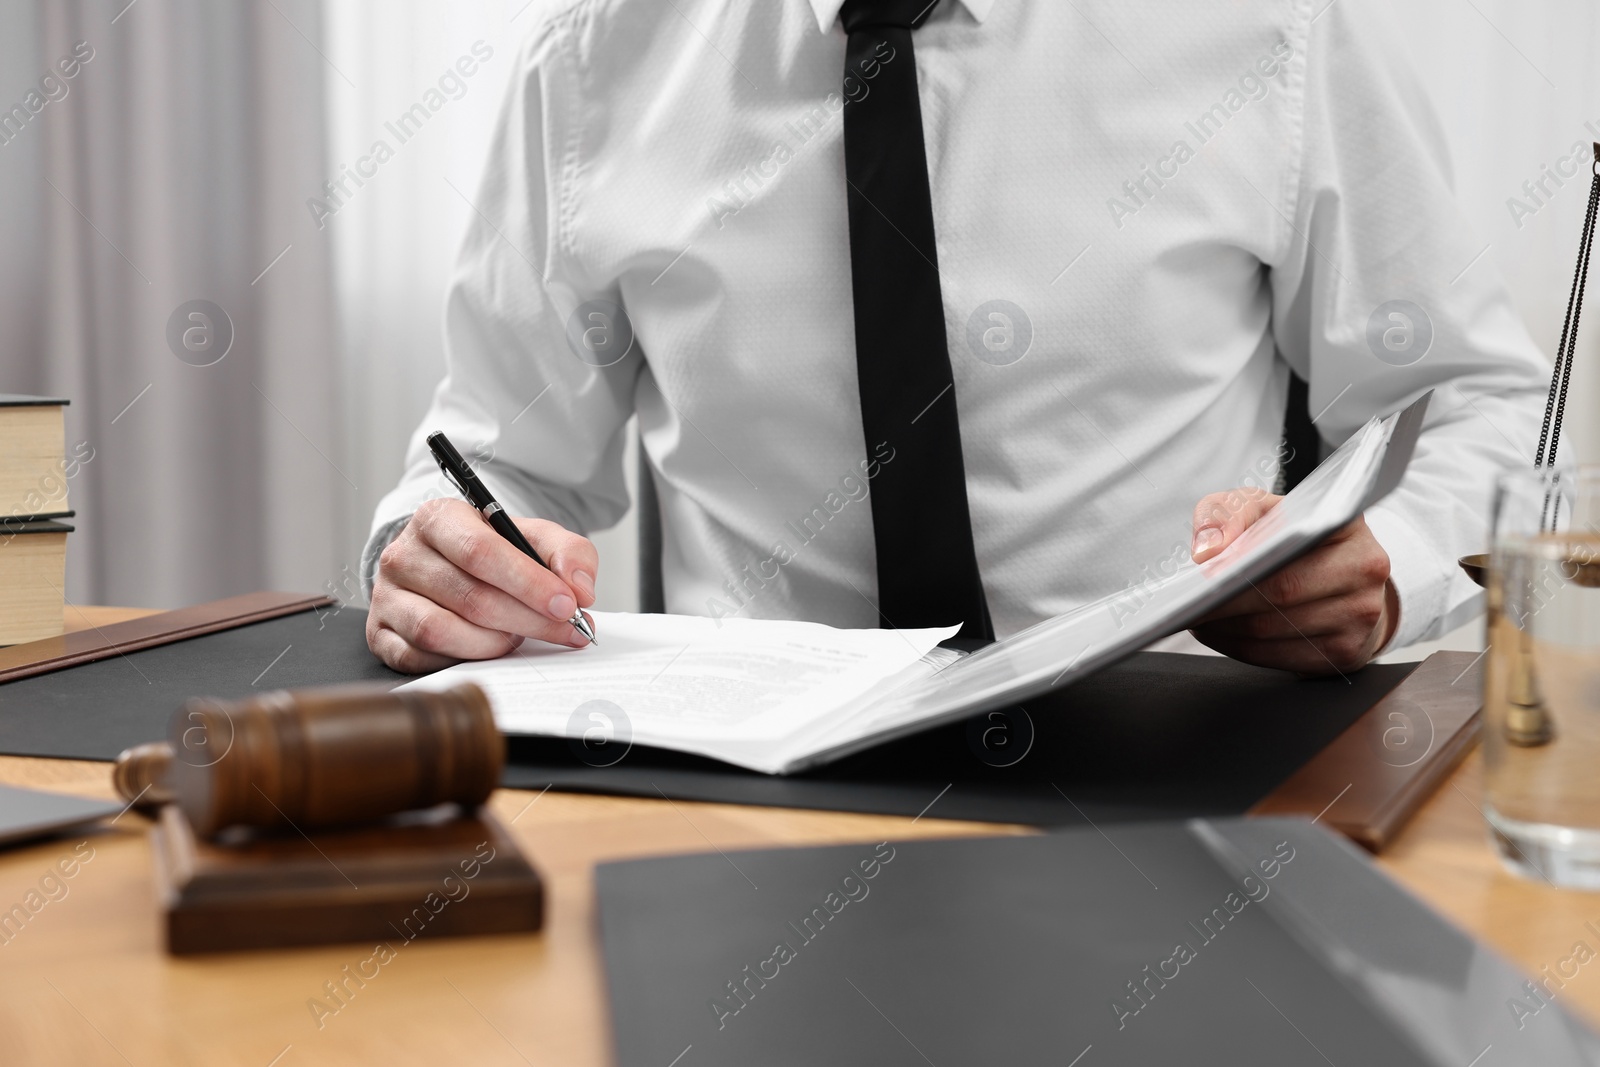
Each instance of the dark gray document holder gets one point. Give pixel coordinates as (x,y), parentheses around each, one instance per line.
(1242,942)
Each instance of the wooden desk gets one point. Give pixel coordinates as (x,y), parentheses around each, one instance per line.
(86,983)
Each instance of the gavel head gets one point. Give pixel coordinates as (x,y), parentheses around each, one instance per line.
(323,757)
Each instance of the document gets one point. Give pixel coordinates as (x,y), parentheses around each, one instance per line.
(778,696)
(733,689)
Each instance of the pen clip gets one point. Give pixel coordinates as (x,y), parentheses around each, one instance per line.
(451,475)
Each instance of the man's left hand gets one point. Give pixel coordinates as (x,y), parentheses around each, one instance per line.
(1328,612)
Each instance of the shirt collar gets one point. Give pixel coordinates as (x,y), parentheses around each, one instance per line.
(827,11)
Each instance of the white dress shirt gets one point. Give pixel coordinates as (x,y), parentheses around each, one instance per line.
(1174,202)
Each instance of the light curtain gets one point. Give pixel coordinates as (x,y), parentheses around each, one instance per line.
(170,170)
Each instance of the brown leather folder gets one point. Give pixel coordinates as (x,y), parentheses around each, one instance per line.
(1372,779)
(86,646)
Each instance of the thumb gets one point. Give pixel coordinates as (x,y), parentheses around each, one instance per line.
(1220,518)
(569,556)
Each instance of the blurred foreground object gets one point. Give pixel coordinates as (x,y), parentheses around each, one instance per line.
(1542,682)
(345,813)
(322,757)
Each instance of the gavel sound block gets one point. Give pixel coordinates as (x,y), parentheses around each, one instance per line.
(345,814)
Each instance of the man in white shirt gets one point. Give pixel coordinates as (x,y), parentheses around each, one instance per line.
(1146,216)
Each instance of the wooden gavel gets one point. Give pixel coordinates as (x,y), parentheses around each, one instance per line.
(318,757)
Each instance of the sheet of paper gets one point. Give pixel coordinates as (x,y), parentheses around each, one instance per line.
(731,688)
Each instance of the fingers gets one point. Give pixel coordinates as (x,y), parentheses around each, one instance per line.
(423,571)
(1220,518)
(1343,564)
(1313,656)
(450,588)
(1358,610)
(571,556)
(455,530)
(413,634)
(392,649)
(1329,612)
(1338,637)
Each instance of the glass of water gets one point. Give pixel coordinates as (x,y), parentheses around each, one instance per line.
(1541,708)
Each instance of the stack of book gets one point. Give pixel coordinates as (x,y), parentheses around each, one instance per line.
(33,501)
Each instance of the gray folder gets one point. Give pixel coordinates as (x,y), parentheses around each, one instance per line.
(1239,942)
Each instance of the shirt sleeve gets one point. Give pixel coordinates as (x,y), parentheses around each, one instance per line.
(1384,292)
(540,361)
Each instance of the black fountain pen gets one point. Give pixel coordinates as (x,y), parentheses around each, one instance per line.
(455,468)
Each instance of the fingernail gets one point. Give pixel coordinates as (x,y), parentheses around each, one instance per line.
(562,607)
(1206,539)
(585,583)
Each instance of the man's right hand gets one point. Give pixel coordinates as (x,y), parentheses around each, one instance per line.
(449,588)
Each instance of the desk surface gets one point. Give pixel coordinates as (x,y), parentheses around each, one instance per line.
(86,982)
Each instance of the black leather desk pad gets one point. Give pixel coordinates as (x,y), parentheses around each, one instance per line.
(1158,735)
(1060,949)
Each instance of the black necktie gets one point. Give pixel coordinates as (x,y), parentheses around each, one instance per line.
(927,568)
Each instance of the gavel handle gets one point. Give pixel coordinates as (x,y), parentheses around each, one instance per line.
(140,775)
